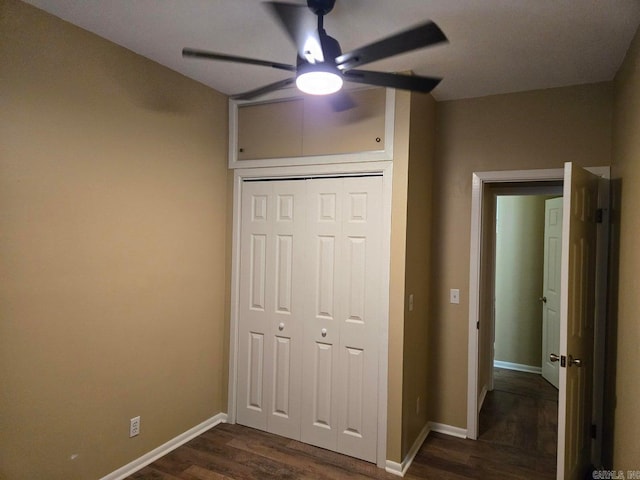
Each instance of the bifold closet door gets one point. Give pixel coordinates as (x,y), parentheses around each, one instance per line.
(310,311)
(341,328)
(271,306)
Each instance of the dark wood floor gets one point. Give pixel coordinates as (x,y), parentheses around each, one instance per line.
(517,441)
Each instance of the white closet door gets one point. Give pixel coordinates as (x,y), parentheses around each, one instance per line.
(271,306)
(340,355)
(309,314)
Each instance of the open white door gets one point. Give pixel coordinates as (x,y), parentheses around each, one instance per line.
(577,315)
(551,288)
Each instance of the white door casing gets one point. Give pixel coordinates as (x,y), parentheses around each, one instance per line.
(551,288)
(311,269)
(577,321)
(480,182)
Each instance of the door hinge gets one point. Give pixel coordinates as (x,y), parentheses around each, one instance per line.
(594,431)
(477,325)
(563,361)
(599,214)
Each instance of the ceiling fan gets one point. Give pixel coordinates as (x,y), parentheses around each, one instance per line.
(321,68)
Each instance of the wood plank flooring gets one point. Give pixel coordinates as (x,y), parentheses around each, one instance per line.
(515,443)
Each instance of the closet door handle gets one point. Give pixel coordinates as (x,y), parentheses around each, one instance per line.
(543,299)
(281,326)
(323,332)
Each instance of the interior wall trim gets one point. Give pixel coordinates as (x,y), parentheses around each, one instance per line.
(372,156)
(400,469)
(386,169)
(519,367)
(448,429)
(149,457)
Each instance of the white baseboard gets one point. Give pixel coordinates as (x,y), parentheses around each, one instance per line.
(147,458)
(517,366)
(448,429)
(401,468)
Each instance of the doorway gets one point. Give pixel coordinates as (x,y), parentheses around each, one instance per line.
(520,283)
(520,408)
(481,274)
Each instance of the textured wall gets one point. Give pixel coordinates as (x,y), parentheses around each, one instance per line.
(112,250)
(626,172)
(537,129)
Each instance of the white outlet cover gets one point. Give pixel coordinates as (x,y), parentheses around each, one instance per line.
(134,426)
(454,295)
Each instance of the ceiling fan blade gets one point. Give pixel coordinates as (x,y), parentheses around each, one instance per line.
(301,26)
(192,52)
(251,94)
(414,83)
(421,36)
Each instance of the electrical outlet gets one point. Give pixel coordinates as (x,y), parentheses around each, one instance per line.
(411,302)
(134,426)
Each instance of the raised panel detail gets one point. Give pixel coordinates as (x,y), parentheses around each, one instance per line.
(258,271)
(325,281)
(284,259)
(355,385)
(285,208)
(356,254)
(322,386)
(254,375)
(259,208)
(327,207)
(282,368)
(357,207)
(554,249)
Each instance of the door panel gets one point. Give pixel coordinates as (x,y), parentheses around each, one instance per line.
(271,302)
(255,371)
(576,321)
(551,288)
(359,314)
(282,376)
(321,329)
(322,380)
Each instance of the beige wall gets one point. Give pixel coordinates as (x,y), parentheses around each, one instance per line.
(626,170)
(415,385)
(410,263)
(112,250)
(538,129)
(398,258)
(518,279)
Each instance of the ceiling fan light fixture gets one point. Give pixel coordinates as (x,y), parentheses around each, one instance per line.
(319,79)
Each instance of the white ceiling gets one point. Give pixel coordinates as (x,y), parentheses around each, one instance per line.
(495,46)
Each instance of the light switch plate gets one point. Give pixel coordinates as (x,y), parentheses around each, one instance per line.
(454,295)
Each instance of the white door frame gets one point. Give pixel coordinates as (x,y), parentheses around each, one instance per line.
(479,183)
(386,169)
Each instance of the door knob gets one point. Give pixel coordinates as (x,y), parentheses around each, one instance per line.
(553,357)
(281,326)
(323,332)
(575,361)
(543,299)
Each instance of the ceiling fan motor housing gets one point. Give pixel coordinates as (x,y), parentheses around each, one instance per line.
(321,7)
